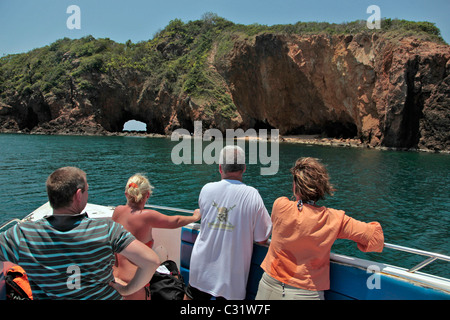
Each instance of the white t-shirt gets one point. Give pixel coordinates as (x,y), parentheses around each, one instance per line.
(233,218)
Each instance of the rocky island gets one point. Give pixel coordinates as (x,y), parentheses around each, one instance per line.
(379,88)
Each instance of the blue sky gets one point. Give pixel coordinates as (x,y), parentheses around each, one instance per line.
(29,24)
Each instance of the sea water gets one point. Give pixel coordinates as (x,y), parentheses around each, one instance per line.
(407,192)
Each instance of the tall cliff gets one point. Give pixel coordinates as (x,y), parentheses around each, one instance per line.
(385,90)
(386,93)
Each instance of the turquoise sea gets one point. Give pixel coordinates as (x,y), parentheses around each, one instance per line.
(407,192)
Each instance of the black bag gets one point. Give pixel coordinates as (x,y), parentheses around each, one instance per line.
(167,286)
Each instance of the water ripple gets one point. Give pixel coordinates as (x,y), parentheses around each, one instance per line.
(408,193)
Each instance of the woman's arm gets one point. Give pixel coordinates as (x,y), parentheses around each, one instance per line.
(368,236)
(159,220)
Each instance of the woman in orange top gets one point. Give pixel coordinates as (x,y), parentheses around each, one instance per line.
(297,264)
(139,222)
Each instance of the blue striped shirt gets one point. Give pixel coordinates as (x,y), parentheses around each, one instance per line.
(66,257)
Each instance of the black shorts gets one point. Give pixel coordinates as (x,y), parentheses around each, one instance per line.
(195,294)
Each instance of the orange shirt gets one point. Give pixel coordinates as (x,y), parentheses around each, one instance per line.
(299,252)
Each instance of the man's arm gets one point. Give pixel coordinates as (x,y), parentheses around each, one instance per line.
(147,262)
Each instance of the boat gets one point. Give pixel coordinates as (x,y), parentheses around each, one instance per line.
(350,278)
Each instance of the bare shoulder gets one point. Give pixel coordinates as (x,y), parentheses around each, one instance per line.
(120,207)
(152,215)
(150,212)
(118,211)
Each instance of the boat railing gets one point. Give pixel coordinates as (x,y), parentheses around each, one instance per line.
(10,222)
(432,256)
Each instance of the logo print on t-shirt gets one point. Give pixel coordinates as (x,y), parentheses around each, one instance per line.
(221,221)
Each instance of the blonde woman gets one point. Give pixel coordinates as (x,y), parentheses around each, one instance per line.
(297,263)
(140,221)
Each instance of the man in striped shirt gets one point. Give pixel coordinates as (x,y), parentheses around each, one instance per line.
(70,256)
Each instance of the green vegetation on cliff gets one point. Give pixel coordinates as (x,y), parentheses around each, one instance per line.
(178,57)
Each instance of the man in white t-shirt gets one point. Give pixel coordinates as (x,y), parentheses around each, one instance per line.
(233,218)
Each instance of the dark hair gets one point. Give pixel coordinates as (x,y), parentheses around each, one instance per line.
(311,179)
(62,184)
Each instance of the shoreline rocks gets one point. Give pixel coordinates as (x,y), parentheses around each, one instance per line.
(291,139)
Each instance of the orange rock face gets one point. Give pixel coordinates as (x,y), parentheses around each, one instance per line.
(385,93)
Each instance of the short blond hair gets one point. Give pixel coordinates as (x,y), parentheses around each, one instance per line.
(311,179)
(136,187)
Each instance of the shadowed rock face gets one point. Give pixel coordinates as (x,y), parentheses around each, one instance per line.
(386,93)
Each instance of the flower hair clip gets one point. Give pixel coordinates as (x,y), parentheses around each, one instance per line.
(133,185)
